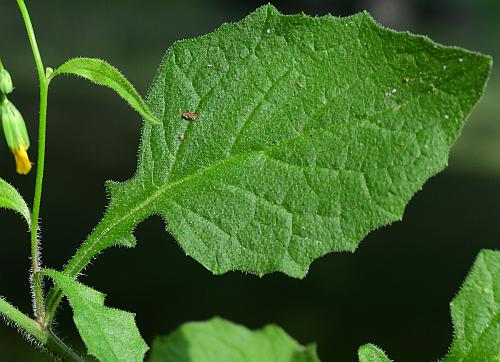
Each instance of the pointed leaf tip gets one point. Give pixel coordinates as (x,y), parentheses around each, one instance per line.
(100,72)
(11,199)
(372,353)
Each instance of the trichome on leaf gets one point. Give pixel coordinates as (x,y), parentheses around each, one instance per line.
(314,131)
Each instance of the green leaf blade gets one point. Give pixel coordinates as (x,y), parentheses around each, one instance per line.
(476,313)
(218,340)
(311,133)
(371,353)
(109,334)
(102,73)
(11,199)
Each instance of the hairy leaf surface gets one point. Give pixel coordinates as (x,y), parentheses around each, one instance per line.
(11,199)
(109,334)
(476,313)
(218,340)
(371,353)
(310,133)
(102,73)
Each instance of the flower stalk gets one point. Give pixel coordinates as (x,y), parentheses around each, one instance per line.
(18,141)
(6,86)
(36,283)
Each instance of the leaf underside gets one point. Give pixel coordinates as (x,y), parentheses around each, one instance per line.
(11,199)
(476,313)
(218,340)
(311,133)
(109,334)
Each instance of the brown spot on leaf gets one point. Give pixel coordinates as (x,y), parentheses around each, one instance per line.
(190,116)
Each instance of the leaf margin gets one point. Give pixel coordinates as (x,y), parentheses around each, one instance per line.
(11,199)
(64,281)
(472,286)
(220,328)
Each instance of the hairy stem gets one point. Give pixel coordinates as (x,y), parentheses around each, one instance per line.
(35,330)
(36,283)
(22,321)
(38,328)
(56,345)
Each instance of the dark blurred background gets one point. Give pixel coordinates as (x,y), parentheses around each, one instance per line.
(394,291)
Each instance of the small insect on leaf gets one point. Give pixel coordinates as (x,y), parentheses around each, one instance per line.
(190,116)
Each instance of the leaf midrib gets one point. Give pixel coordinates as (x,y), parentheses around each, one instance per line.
(163,189)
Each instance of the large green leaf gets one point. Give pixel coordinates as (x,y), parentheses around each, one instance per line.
(109,334)
(218,340)
(476,313)
(311,133)
(11,199)
(371,353)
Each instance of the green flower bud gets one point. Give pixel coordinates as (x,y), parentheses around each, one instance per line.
(6,86)
(16,135)
(48,72)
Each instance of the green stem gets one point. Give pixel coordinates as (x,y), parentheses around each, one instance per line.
(61,349)
(34,329)
(22,321)
(36,284)
(34,45)
(38,328)
(53,299)
(35,247)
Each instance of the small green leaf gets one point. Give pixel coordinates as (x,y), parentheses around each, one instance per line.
(218,340)
(109,334)
(371,353)
(476,313)
(11,199)
(102,73)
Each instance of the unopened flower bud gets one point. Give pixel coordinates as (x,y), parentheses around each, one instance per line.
(48,72)
(16,135)
(6,86)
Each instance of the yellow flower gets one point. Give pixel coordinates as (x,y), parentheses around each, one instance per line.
(23,163)
(16,135)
